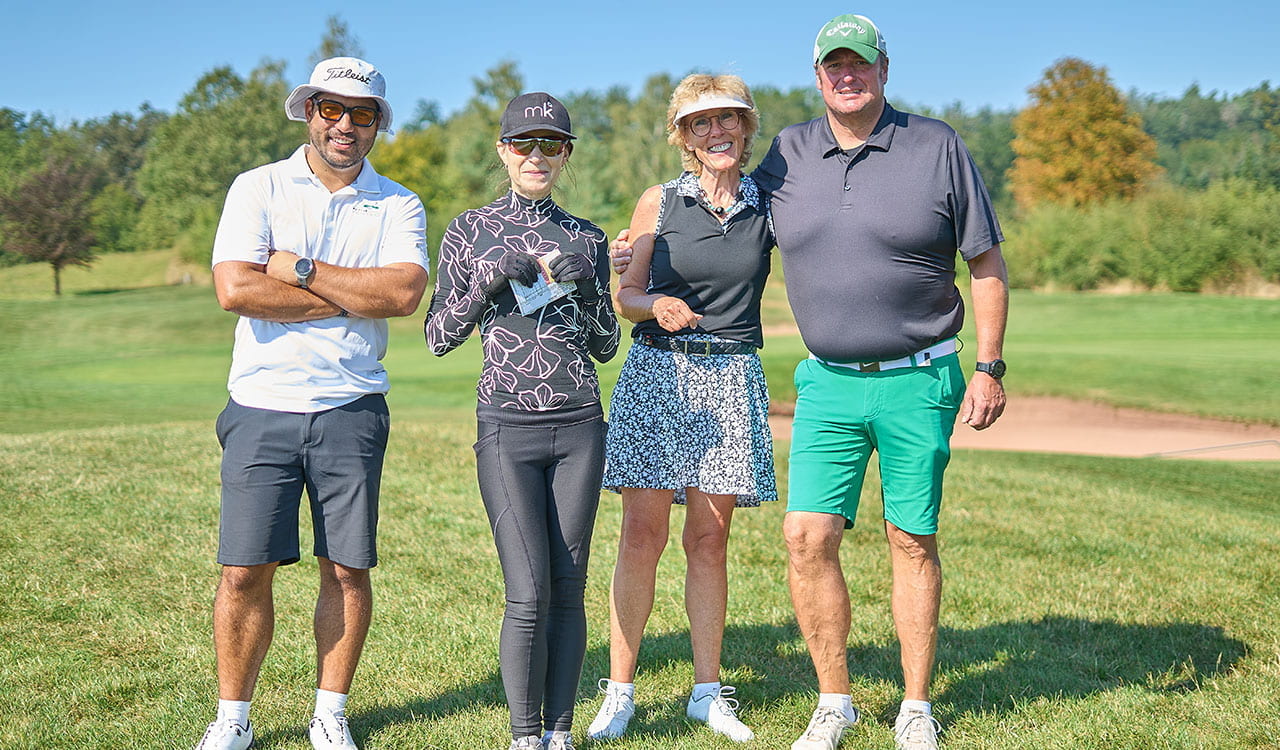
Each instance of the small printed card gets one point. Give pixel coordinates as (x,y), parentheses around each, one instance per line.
(543,290)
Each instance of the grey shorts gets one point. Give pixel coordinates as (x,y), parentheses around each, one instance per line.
(269,457)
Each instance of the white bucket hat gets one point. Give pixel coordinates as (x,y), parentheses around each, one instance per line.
(346,76)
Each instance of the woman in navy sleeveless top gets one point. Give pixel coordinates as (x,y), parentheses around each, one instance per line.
(688,420)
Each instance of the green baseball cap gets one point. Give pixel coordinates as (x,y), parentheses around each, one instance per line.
(853,32)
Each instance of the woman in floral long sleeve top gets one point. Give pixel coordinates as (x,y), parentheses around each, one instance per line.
(540,440)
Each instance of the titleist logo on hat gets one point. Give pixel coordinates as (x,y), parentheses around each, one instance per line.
(345,73)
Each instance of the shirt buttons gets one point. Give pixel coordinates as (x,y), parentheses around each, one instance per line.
(846,187)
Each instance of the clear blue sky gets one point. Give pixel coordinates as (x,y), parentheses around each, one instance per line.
(78,60)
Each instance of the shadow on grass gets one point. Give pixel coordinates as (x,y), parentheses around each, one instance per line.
(994,667)
(984,670)
(114,290)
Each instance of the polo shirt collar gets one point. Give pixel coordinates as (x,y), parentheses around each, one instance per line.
(298,169)
(687,185)
(296,166)
(881,135)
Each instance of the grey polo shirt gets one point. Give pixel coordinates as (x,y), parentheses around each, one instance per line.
(869,237)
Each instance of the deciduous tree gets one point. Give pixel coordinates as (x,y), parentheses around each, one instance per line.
(48,214)
(225,125)
(1077,142)
(338,41)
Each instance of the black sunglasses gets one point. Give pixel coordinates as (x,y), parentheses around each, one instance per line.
(333,111)
(524,146)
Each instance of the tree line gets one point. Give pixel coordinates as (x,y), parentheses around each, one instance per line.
(1088,181)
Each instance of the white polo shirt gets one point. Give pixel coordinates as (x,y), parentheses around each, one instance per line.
(373,222)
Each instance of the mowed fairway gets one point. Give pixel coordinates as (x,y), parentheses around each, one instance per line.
(1089,602)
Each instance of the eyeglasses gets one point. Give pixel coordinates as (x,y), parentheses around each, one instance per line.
(701,125)
(332,111)
(524,146)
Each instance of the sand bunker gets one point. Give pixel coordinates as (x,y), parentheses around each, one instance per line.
(1060,425)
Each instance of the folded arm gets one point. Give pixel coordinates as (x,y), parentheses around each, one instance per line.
(245,289)
(389,291)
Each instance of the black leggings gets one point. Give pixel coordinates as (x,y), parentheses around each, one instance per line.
(540,481)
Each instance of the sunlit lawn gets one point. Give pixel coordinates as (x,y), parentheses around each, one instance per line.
(1091,603)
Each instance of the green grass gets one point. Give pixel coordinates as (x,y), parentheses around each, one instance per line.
(1194,354)
(112,272)
(1090,603)
(113,354)
(1201,355)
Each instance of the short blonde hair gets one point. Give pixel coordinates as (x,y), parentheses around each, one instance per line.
(695,87)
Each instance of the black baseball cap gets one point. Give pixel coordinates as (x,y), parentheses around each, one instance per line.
(537,110)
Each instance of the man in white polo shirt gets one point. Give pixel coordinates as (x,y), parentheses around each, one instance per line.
(314,253)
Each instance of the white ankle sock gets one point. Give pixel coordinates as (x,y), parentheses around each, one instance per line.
(626,688)
(837,700)
(703,689)
(923,707)
(328,701)
(236,710)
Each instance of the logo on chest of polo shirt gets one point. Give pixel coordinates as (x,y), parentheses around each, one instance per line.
(366,208)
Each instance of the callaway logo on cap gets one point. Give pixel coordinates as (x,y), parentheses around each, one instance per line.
(853,32)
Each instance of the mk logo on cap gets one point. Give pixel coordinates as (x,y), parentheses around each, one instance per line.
(539,110)
(345,73)
(843,28)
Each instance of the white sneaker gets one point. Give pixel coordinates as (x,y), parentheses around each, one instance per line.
(226,734)
(329,731)
(915,730)
(557,741)
(719,710)
(615,713)
(532,742)
(825,729)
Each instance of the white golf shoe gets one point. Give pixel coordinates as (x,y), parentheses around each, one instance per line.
(915,730)
(226,734)
(825,730)
(720,711)
(614,715)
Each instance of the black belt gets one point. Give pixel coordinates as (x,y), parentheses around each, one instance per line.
(701,348)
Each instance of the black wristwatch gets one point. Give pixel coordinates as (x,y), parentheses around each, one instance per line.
(995,368)
(305,270)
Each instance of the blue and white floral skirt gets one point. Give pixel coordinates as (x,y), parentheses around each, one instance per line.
(686,420)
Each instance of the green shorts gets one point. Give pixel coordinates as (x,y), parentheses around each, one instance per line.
(842,415)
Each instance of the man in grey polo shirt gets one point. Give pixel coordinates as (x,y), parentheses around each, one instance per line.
(871,206)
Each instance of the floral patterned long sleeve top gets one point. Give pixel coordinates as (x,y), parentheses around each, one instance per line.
(535,362)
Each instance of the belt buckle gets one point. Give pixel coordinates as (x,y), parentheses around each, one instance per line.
(868,367)
(704,345)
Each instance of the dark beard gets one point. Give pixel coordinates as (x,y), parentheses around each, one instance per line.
(339,165)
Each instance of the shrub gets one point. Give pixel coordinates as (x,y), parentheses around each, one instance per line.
(1167,238)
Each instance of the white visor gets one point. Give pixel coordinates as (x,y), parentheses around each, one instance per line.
(710,101)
